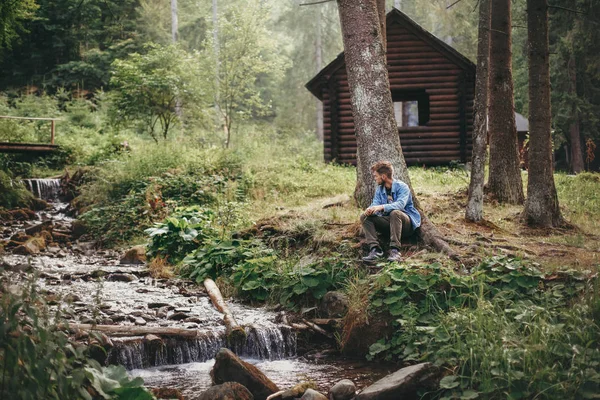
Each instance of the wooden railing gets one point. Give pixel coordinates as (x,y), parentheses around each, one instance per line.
(52,124)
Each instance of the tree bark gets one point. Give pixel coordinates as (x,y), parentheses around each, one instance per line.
(474,211)
(174,22)
(372,108)
(541,207)
(505,182)
(232,328)
(120,330)
(577,165)
(381,13)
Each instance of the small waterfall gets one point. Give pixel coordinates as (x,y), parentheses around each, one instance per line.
(47,189)
(269,343)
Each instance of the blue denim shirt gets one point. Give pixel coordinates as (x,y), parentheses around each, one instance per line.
(402,200)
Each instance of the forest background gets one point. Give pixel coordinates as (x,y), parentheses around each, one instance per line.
(205,149)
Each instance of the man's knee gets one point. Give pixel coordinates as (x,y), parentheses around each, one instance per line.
(397,214)
(363,217)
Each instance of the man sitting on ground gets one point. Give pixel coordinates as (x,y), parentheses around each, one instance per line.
(392,211)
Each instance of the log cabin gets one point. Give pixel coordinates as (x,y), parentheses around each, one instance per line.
(432,87)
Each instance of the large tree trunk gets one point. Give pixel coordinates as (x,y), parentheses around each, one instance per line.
(474,211)
(372,108)
(577,165)
(541,207)
(505,182)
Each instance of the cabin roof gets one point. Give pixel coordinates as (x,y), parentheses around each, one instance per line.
(394,16)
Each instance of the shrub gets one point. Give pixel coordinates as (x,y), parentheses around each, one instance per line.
(13,193)
(179,234)
(510,329)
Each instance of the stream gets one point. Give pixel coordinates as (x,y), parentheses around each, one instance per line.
(91,286)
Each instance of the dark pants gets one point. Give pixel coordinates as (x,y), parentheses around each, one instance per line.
(397,225)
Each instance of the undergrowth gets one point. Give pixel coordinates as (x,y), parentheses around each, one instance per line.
(506,330)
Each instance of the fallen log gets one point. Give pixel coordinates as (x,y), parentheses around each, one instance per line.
(317,329)
(232,329)
(121,330)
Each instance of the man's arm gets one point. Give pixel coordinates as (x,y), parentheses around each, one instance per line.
(376,204)
(402,196)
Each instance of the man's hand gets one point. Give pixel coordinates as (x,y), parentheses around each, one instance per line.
(373,209)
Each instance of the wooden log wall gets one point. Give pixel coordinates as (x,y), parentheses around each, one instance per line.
(413,65)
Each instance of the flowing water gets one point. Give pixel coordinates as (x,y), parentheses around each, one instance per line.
(95,288)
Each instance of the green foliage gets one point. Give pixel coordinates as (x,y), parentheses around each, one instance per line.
(510,328)
(179,234)
(13,193)
(12,16)
(247,67)
(313,281)
(39,361)
(219,257)
(149,87)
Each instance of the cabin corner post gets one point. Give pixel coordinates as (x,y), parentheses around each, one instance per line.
(462,95)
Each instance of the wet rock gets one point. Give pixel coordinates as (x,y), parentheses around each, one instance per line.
(78,229)
(72,298)
(162,312)
(20,237)
(343,390)
(87,320)
(33,229)
(107,321)
(121,278)
(227,391)
(31,247)
(167,393)
(157,305)
(140,321)
(118,318)
(22,267)
(178,316)
(61,237)
(403,384)
(334,304)
(295,392)
(53,250)
(312,394)
(135,255)
(152,338)
(39,204)
(22,214)
(229,367)
(195,320)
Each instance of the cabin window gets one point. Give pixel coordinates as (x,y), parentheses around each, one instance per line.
(411,108)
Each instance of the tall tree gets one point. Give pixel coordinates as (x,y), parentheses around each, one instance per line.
(574,131)
(375,127)
(541,207)
(174,21)
(474,211)
(505,182)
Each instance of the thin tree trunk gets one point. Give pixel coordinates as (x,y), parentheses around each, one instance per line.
(319,65)
(577,165)
(474,211)
(372,108)
(505,182)
(174,22)
(541,207)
